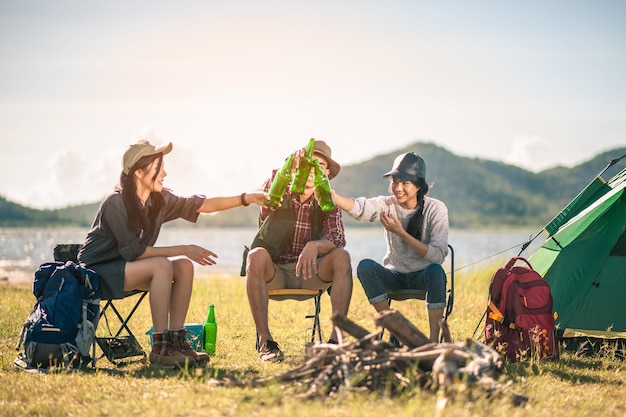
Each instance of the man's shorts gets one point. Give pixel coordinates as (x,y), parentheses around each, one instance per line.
(285,277)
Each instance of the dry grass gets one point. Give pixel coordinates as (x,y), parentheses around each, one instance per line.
(572,386)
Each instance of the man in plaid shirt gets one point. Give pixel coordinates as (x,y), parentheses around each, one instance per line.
(312,255)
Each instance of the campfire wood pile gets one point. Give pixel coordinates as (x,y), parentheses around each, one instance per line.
(371,364)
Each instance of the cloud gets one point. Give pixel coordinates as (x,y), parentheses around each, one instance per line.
(530,152)
(77,177)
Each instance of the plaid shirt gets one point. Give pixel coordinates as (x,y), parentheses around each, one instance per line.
(332,225)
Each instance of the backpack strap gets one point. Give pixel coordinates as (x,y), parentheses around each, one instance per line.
(496,315)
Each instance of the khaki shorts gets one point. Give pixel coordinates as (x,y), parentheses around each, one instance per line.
(285,277)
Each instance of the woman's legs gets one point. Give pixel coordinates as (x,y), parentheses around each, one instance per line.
(181,292)
(376,280)
(169,283)
(433,279)
(154,275)
(434,317)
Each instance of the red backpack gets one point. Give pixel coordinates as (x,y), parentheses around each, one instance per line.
(520,322)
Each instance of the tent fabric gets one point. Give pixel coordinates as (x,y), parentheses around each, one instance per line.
(591,193)
(584,261)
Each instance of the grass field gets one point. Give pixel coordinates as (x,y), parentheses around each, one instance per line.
(572,386)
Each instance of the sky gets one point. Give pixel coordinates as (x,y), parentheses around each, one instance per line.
(238,85)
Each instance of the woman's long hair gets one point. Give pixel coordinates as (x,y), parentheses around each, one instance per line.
(417,221)
(137,220)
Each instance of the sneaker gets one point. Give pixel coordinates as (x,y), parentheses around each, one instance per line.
(270,352)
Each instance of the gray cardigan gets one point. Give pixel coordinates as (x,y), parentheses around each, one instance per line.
(400,256)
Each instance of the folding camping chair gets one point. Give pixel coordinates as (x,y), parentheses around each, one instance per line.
(119,347)
(301,295)
(402,295)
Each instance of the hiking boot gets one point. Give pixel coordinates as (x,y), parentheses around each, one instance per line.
(164,353)
(270,352)
(181,344)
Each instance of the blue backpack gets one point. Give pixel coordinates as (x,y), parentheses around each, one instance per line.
(60,330)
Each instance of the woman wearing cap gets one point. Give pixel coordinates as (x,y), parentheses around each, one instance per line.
(120,247)
(416,231)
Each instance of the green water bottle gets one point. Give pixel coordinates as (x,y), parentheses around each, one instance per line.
(210,331)
(280,183)
(322,188)
(304,169)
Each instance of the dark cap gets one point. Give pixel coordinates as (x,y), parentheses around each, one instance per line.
(408,167)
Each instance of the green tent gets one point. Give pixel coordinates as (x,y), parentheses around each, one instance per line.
(584,261)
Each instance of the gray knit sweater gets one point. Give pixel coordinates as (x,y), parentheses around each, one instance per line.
(400,256)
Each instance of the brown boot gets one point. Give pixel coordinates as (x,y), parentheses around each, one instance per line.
(183,346)
(164,353)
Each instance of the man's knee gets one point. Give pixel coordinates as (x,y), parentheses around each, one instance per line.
(258,254)
(341,258)
(335,265)
(257,262)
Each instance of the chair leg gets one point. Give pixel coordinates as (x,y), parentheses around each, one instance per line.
(124,322)
(317,327)
(93,353)
(118,347)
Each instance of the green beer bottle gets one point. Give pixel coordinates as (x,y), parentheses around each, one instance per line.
(322,188)
(304,169)
(280,183)
(210,331)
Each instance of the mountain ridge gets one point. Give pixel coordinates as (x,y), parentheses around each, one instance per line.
(478,192)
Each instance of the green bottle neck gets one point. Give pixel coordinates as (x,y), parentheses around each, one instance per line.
(210,318)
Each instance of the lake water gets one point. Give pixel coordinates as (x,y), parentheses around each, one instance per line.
(22,250)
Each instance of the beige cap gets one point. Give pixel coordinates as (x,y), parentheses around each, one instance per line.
(138,150)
